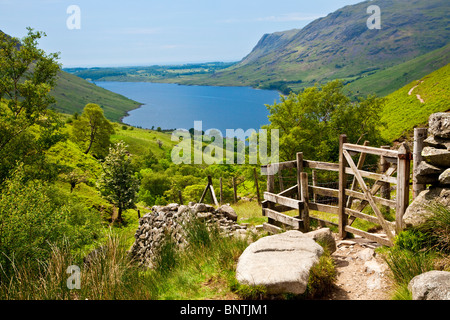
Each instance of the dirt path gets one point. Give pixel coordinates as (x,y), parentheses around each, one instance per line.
(417,95)
(362,274)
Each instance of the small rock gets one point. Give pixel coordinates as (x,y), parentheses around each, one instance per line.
(366,254)
(228,212)
(347,243)
(373,266)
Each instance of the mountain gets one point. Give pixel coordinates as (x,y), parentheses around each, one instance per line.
(411,106)
(341,46)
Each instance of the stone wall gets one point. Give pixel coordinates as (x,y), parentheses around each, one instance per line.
(434,170)
(172,219)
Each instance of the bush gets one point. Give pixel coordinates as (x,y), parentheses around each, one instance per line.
(33,215)
(412,240)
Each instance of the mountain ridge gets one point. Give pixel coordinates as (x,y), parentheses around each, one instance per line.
(341,45)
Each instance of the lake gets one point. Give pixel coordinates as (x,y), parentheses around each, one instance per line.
(173,106)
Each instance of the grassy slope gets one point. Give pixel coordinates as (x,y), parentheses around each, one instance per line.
(389,80)
(73,93)
(403,112)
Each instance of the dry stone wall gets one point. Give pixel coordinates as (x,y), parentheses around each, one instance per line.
(434,170)
(172,220)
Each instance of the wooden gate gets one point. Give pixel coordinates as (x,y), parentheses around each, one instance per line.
(395,162)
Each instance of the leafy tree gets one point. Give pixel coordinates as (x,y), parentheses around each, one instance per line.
(312,121)
(118,183)
(27,126)
(92,130)
(34,215)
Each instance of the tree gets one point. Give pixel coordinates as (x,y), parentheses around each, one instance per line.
(92,130)
(27,126)
(118,183)
(311,121)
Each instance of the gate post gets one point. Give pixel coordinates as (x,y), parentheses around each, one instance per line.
(305,198)
(403,172)
(299,159)
(419,136)
(342,185)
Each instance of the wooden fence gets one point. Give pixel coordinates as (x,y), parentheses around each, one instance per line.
(297,197)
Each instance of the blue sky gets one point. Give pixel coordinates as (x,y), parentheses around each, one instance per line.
(146,32)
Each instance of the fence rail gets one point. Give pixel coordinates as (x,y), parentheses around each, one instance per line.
(391,162)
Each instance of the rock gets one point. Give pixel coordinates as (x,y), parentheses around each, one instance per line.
(346,243)
(325,237)
(201,207)
(366,254)
(439,125)
(437,157)
(281,263)
(204,215)
(432,285)
(374,282)
(183,209)
(436,142)
(425,168)
(228,212)
(444,178)
(373,266)
(418,212)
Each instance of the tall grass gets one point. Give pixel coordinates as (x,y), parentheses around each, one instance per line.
(109,275)
(419,250)
(202,270)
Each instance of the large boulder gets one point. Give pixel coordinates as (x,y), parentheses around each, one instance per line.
(281,263)
(418,211)
(432,285)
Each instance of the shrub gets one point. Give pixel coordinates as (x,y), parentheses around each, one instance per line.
(412,239)
(33,215)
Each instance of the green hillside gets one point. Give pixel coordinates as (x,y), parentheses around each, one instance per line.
(404,111)
(73,93)
(389,80)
